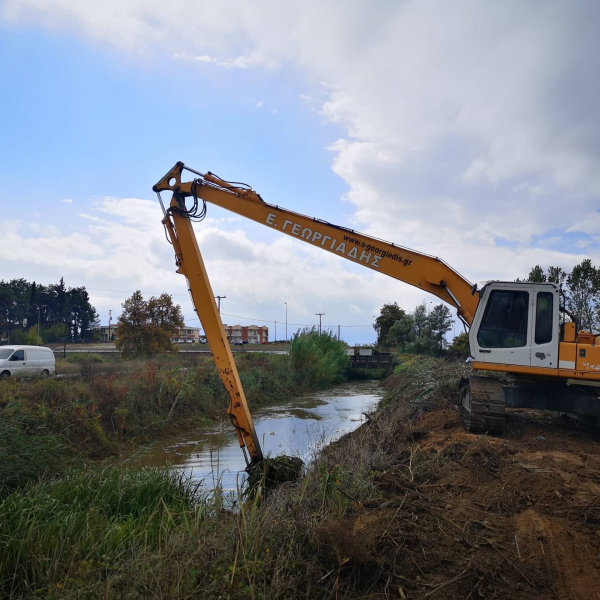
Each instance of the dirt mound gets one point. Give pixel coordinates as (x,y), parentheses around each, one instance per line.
(466,516)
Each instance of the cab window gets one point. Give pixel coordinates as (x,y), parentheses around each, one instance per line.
(18,355)
(543,318)
(504,323)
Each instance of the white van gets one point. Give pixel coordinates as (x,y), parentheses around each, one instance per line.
(26,361)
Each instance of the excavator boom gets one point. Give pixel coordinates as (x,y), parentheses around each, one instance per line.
(425,272)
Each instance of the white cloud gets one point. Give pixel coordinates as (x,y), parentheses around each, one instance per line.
(67,200)
(472,127)
(259,104)
(240,62)
(590,224)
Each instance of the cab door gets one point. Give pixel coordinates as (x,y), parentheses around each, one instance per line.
(501,331)
(544,349)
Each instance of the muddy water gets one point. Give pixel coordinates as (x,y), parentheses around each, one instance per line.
(298,427)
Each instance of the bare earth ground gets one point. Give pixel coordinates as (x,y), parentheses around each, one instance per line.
(467,516)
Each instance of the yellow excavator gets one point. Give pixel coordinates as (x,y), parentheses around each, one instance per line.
(515,328)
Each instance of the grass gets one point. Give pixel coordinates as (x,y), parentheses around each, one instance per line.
(57,532)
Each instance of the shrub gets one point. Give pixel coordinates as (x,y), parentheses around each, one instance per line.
(317,359)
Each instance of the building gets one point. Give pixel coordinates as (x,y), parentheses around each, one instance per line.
(184,334)
(104,332)
(187,334)
(253,334)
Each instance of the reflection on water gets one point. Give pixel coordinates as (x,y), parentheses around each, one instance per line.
(298,427)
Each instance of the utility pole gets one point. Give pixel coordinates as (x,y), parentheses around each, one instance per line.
(219,301)
(338,333)
(319,315)
(275,331)
(109,320)
(286,337)
(38,333)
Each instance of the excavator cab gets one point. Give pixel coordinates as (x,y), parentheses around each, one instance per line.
(517,324)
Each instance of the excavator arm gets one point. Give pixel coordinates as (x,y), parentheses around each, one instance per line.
(189,262)
(425,272)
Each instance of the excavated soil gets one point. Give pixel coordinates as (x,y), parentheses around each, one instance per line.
(466,516)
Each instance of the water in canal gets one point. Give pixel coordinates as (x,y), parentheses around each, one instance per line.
(299,427)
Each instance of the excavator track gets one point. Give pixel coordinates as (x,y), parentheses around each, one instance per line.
(482,404)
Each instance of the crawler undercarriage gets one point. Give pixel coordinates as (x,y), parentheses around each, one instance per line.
(483,400)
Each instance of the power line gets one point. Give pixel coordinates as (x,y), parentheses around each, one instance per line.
(267,321)
(227,314)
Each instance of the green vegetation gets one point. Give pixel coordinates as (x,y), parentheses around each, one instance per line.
(459,348)
(27,451)
(59,532)
(146,327)
(61,310)
(317,358)
(71,530)
(420,332)
(367,373)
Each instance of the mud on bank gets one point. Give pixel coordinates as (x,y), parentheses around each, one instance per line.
(456,515)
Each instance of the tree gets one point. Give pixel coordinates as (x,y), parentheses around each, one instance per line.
(440,323)
(580,290)
(145,328)
(537,275)
(583,287)
(459,348)
(422,332)
(62,310)
(402,332)
(389,314)
(82,316)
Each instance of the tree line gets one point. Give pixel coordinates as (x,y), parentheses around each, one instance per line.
(423,331)
(579,290)
(63,312)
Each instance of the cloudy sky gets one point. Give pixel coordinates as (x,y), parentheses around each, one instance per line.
(468,129)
